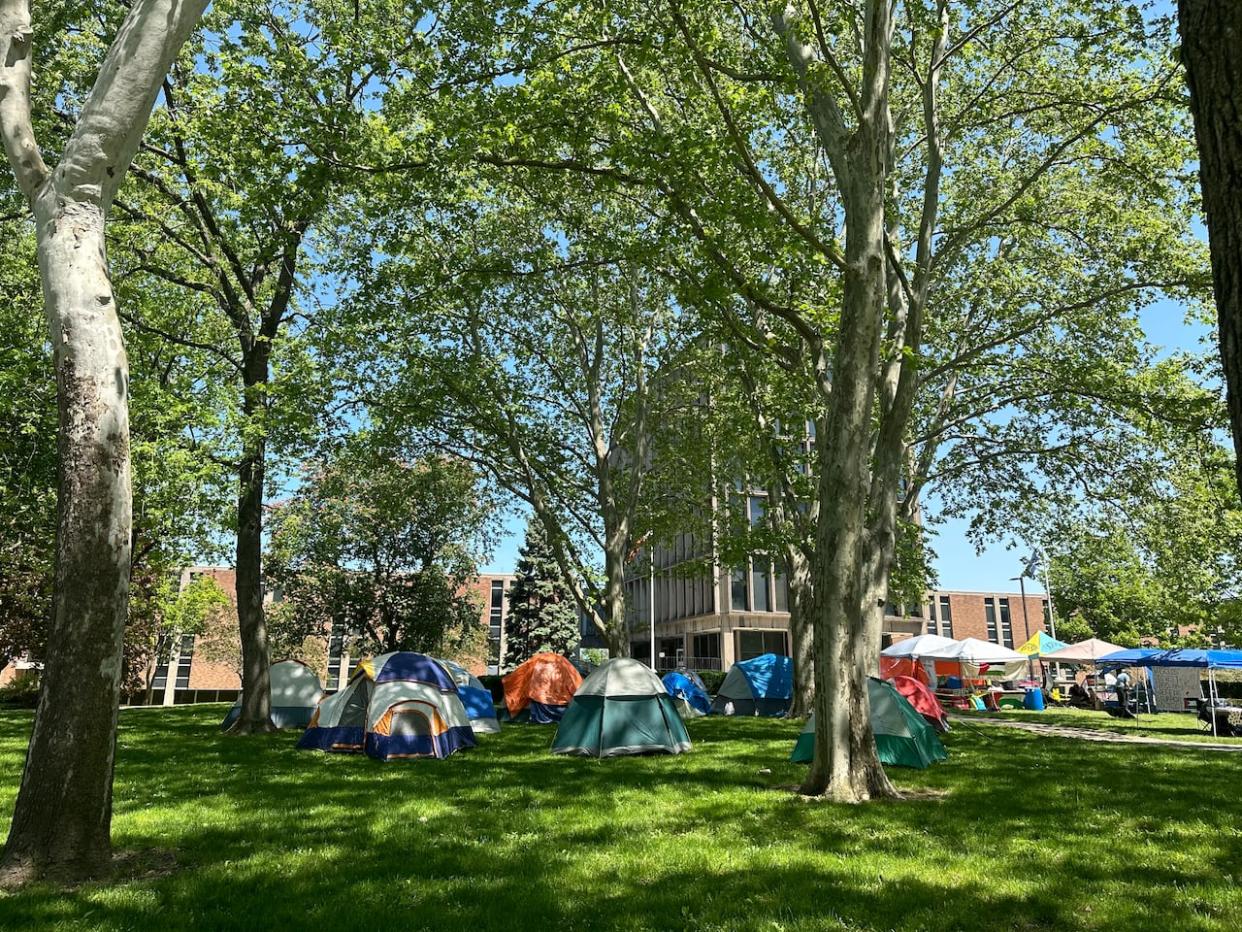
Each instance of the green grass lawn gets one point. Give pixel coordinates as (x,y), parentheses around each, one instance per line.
(1013,832)
(1176,726)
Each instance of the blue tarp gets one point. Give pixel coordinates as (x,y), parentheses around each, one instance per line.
(688,686)
(770,676)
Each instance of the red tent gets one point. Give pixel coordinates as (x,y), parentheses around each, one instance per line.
(923,700)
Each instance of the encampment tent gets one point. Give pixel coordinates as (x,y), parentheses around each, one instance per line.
(689,693)
(621,708)
(762,685)
(541,688)
(476,697)
(295,693)
(921,645)
(905,658)
(922,699)
(396,706)
(902,737)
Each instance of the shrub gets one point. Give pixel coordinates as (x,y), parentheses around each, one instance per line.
(712,680)
(23,691)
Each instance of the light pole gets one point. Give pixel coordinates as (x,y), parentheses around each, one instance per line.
(651,608)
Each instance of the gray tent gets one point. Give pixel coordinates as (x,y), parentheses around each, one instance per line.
(295,693)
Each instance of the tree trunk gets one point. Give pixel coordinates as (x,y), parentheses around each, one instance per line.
(256,706)
(1212,53)
(802,642)
(62,819)
(618,634)
(844,765)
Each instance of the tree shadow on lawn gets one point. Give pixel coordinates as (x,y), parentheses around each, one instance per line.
(1033,833)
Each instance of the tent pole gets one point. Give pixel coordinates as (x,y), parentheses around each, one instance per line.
(1212,699)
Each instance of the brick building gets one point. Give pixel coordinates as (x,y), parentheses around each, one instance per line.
(194,672)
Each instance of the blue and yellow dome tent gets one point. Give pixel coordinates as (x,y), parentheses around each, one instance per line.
(689,693)
(476,697)
(397,705)
(762,685)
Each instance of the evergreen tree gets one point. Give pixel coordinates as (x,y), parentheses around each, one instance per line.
(542,615)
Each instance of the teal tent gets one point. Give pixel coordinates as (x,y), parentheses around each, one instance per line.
(902,736)
(621,708)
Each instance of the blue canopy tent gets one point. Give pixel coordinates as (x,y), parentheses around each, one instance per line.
(1210,660)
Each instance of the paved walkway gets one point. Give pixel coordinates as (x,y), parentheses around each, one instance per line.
(1093,734)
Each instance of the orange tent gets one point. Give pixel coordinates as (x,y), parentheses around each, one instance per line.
(545,684)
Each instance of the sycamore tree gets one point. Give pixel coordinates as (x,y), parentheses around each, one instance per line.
(383,548)
(542,613)
(893,198)
(62,817)
(234,203)
(530,346)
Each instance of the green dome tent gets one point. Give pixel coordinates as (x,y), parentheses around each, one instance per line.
(902,736)
(621,708)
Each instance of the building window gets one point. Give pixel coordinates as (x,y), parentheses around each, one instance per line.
(759,579)
(670,653)
(1047,614)
(160,680)
(1006,624)
(336,646)
(946,617)
(185,661)
(758,507)
(737,588)
(495,620)
(754,643)
(782,587)
(989,609)
(706,651)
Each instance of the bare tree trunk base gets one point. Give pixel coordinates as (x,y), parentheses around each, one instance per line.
(18,870)
(252,728)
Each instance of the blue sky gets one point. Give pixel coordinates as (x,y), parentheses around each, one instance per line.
(958,566)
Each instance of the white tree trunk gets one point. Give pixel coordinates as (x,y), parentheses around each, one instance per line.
(62,818)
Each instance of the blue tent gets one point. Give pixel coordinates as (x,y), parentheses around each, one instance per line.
(688,686)
(760,686)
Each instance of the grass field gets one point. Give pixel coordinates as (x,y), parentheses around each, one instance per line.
(1013,832)
(1172,725)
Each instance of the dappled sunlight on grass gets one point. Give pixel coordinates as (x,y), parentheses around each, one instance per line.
(1014,831)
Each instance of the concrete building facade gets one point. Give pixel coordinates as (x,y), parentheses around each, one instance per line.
(711,621)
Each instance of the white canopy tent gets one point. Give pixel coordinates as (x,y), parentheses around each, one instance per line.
(972,653)
(975,651)
(1088,651)
(921,645)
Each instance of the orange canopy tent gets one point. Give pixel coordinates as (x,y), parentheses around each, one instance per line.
(543,685)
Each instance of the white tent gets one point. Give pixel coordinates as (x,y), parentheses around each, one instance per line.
(295,693)
(975,651)
(1088,651)
(922,645)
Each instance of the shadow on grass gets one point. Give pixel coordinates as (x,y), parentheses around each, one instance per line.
(1014,831)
